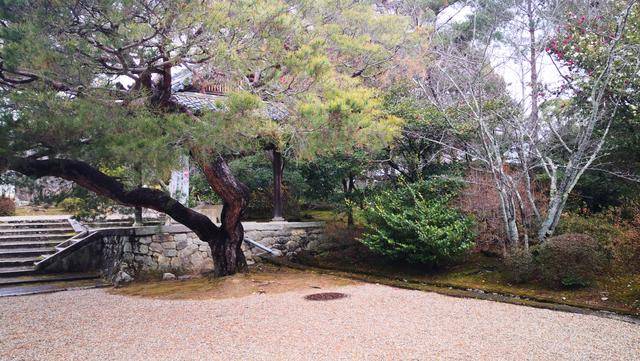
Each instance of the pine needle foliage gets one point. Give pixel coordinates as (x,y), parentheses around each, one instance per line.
(417,223)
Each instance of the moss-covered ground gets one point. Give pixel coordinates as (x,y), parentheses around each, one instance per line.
(614,292)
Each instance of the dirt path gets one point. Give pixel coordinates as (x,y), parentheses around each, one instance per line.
(375,322)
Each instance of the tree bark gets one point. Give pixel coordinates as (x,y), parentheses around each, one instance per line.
(95,181)
(226,249)
(348,185)
(225,241)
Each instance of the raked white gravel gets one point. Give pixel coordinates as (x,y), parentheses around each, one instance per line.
(374,323)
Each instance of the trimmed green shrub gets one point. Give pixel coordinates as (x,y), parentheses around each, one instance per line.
(84,205)
(7,207)
(570,260)
(417,223)
(72,205)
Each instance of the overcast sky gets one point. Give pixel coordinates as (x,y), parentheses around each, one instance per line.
(509,67)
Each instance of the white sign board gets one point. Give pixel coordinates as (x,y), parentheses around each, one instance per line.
(8,191)
(179,184)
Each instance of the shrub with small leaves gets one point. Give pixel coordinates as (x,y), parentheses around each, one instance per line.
(570,260)
(7,207)
(520,266)
(72,205)
(416,223)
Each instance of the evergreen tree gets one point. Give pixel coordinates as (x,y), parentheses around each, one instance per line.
(87,88)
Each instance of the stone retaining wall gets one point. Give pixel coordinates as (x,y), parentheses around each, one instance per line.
(177,250)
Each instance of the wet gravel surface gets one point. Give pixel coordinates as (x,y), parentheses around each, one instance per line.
(373,323)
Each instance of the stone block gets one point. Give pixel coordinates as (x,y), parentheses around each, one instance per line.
(191,249)
(263,234)
(164,263)
(170,253)
(122,277)
(267,241)
(196,260)
(143,249)
(180,237)
(312,245)
(176,263)
(169,245)
(182,244)
(156,247)
(207,265)
(164,237)
(144,240)
(291,245)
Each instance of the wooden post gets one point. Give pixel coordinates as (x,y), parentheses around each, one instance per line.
(278,170)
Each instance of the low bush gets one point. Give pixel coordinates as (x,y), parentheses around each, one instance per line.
(617,231)
(90,206)
(416,223)
(569,260)
(520,266)
(7,207)
(72,205)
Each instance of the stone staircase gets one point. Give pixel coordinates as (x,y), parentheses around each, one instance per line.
(25,241)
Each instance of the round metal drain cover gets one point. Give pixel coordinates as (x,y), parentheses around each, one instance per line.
(325,296)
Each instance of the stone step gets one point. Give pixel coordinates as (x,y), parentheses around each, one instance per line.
(45,278)
(12,231)
(17,271)
(6,226)
(109,224)
(18,261)
(34,237)
(120,223)
(25,252)
(40,288)
(33,222)
(29,244)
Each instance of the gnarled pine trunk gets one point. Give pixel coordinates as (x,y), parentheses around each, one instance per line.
(225,241)
(226,250)
(226,247)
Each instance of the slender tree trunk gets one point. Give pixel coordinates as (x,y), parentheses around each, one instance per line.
(348,186)
(556,206)
(533,63)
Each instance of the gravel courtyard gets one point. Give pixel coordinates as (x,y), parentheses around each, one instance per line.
(374,323)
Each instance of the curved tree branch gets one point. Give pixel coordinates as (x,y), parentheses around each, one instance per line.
(92,179)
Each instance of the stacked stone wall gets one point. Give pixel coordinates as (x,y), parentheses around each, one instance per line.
(177,250)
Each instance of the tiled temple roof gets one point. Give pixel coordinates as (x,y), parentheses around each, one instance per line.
(211,102)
